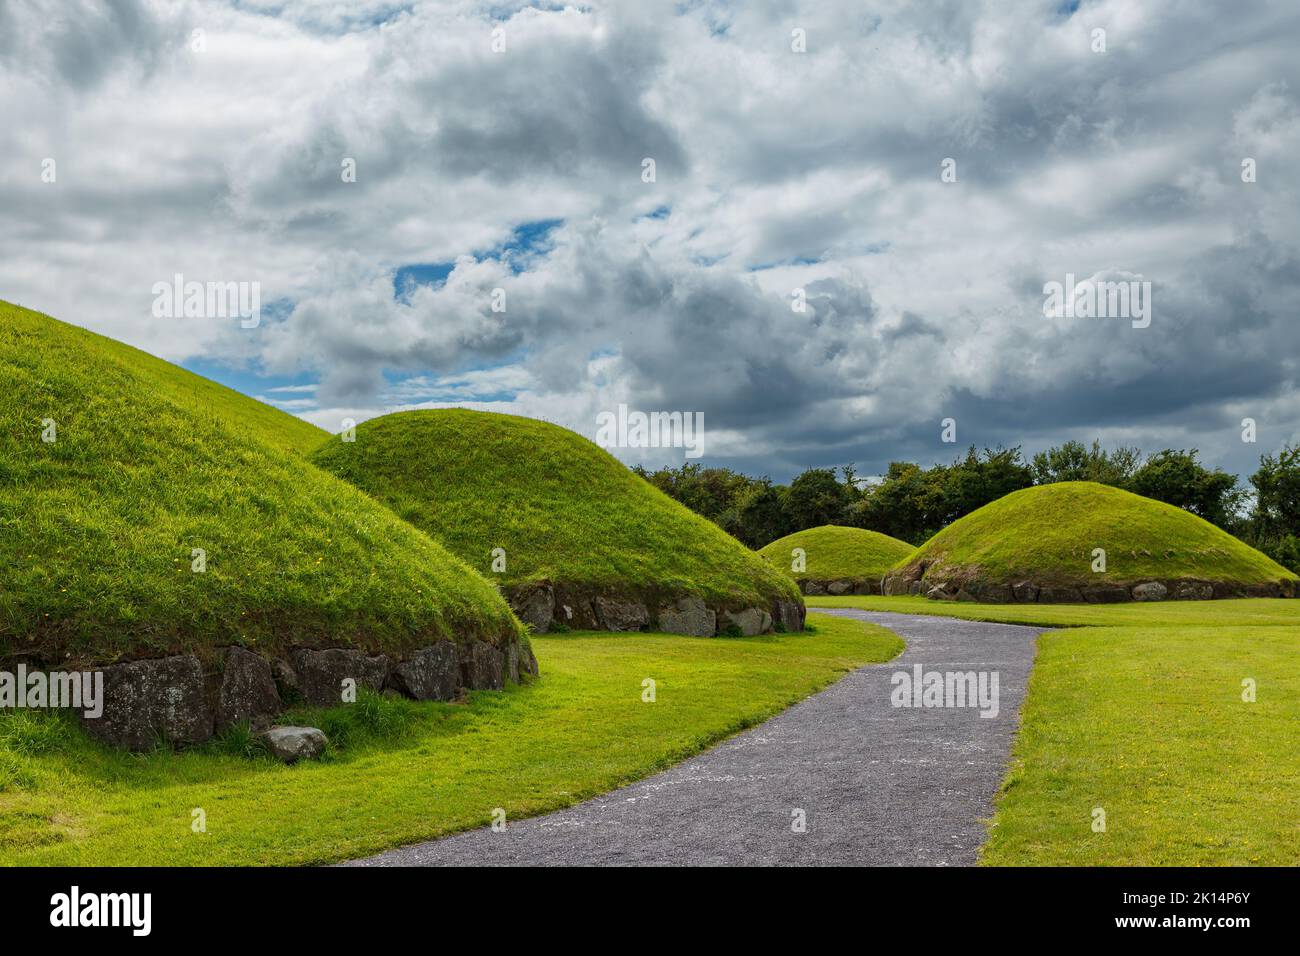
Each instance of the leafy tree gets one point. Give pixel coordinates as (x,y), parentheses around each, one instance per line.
(761,513)
(1274,526)
(1073,462)
(816,498)
(1176,477)
(975,482)
(1277,492)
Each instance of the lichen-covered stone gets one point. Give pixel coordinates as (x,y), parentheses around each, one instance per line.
(615,615)
(147,702)
(321,673)
(247,691)
(688,616)
(431,673)
(482,666)
(750,620)
(291,744)
(1150,591)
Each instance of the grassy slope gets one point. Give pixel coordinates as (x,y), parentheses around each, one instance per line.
(1137,709)
(96,529)
(562,508)
(580,731)
(1047,534)
(835,552)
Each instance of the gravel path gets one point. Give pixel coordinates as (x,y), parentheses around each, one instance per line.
(877,784)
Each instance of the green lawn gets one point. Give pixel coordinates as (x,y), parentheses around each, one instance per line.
(580,730)
(1149,725)
(1137,709)
(1229,613)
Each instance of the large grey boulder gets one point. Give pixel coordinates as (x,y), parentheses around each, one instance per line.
(153,701)
(688,616)
(527,660)
(812,586)
(535,606)
(1025,591)
(844,586)
(431,673)
(321,673)
(292,744)
(750,620)
(482,666)
(616,615)
(1150,591)
(1054,595)
(789,615)
(1194,591)
(512,662)
(1106,594)
(247,691)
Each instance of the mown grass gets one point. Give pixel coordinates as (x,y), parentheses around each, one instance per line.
(1149,725)
(1226,614)
(416,771)
(1047,534)
(833,552)
(98,528)
(1137,709)
(561,508)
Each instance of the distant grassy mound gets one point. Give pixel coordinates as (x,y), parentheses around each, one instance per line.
(838,560)
(576,528)
(1041,544)
(146,511)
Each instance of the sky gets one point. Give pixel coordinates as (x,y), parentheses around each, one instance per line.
(912,173)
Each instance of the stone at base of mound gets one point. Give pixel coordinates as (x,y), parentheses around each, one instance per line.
(839,586)
(291,744)
(914,581)
(175,701)
(543,606)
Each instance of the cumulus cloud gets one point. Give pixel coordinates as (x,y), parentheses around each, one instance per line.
(469,124)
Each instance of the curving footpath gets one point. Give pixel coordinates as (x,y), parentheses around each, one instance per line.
(877,784)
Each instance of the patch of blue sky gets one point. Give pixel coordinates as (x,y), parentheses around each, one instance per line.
(526,241)
(252,380)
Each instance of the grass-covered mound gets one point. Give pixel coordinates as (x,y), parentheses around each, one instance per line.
(837,560)
(1040,544)
(577,528)
(99,527)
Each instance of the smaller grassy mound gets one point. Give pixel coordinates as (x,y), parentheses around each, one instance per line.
(1041,544)
(835,553)
(561,511)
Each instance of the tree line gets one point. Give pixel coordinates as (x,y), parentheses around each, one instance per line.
(912,503)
